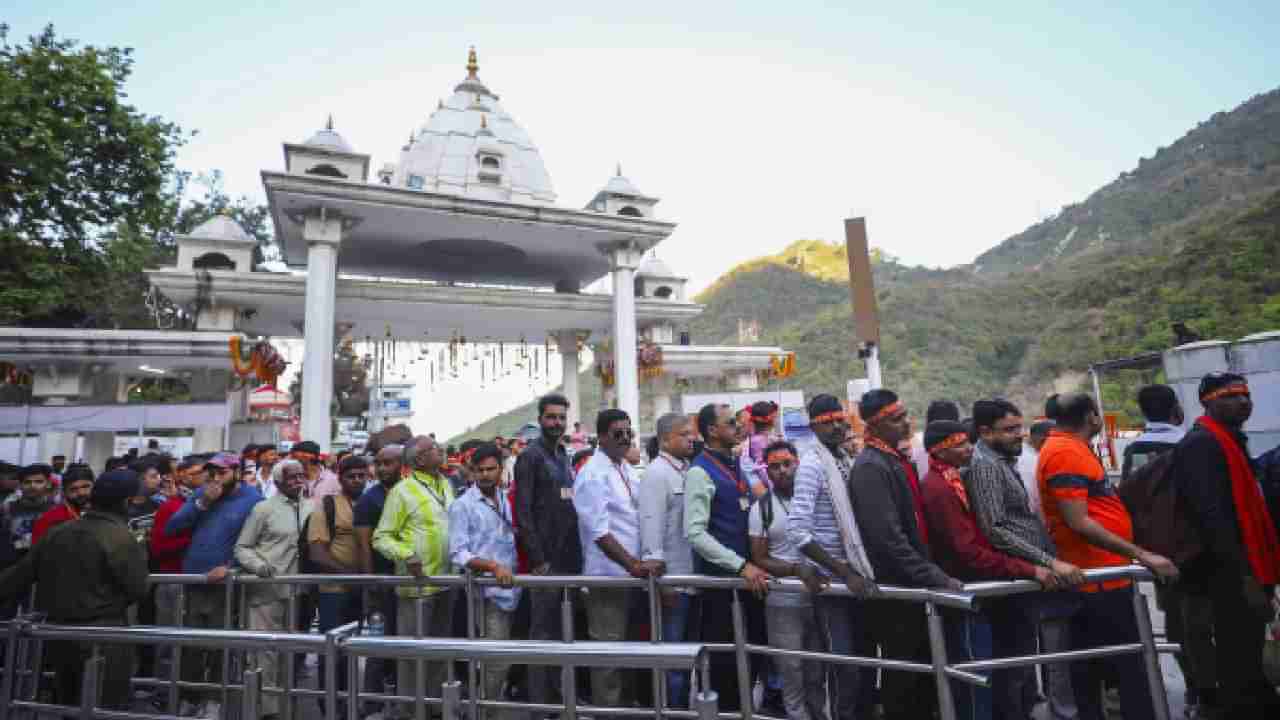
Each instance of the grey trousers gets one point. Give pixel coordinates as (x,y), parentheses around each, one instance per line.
(496,625)
(804,692)
(437,622)
(607,622)
(268,616)
(1055,636)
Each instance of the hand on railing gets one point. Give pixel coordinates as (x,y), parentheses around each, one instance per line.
(1066,574)
(1162,566)
(757,579)
(812,579)
(217,574)
(861,586)
(645,568)
(503,575)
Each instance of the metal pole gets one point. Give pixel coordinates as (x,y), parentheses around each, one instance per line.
(22,441)
(1150,655)
(938,651)
(420,665)
(740,653)
(568,680)
(228,602)
(451,699)
(873,367)
(290,659)
(471,600)
(353,687)
(175,664)
(655,632)
(91,686)
(251,697)
(10,669)
(330,676)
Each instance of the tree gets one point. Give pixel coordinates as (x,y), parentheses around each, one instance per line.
(85,179)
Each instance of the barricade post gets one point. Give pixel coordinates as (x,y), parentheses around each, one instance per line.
(938,653)
(1150,654)
(91,685)
(251,697)
(10,667)
(740,654)
(568,674)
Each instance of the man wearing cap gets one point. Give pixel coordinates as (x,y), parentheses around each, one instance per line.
(89,573)
(215,515)
(889,508)
(822,527)
(320,480)
(77,484)
(1239,565)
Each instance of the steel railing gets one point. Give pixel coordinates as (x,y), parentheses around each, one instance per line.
(347,639)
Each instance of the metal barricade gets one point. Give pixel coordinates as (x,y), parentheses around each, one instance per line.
(345,639)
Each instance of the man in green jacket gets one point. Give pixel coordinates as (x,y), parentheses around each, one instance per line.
(88,573)
(414,534)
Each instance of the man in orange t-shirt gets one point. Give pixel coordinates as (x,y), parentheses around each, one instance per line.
(1092,529)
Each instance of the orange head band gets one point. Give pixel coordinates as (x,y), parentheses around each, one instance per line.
(826,417)
(954,441)
(1225,391)
(778,455)
(885,411)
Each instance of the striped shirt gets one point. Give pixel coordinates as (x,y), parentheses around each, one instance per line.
(1002,508)
(812,517)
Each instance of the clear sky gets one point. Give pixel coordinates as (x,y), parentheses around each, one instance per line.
(756,123)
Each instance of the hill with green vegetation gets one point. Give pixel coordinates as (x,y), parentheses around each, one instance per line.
(1226,163)
(1209,258)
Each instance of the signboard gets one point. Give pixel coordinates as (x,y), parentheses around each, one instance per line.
(862,290)
(396,406)
(691,404)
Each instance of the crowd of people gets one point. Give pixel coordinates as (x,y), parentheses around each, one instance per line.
(991,496)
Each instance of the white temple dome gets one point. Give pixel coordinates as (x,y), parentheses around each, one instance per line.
(621,185)
(222,227)
(472,146)
(329,139)
(654,267)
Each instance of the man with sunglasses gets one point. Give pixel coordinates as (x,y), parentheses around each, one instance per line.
(717,500)
(606,496)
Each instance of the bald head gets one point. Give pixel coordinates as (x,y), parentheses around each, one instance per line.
(388,464)
(427,455)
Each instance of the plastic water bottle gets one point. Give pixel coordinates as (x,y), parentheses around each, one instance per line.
(376,626)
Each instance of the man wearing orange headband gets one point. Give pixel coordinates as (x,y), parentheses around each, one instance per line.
(889,507)
(763,417)
(1239,564)
(822,527)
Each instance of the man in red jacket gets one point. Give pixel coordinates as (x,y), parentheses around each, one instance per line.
(167,551)
(77,484)
(962,550)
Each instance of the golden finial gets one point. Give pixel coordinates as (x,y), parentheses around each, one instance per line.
(440,104)
(619,169)
(472,66)
(329,123)
(483,124)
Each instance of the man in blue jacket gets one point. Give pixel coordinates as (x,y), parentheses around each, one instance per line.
(214,515)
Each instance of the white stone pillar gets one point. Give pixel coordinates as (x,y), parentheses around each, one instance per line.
(323,234)
(207,439)
(567,341)
(624,260)
(98,446)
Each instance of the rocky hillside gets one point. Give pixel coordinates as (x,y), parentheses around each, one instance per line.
(1225,163)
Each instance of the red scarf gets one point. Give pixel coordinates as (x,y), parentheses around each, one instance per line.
(1257,532)
(917,500)
(952,476)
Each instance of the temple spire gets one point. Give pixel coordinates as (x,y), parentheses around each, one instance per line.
(619,169)
(328,125)
(472,65)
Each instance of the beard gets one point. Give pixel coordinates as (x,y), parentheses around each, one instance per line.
(552,433)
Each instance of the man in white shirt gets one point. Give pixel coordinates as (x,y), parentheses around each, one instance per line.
(606,498)
(1027,461)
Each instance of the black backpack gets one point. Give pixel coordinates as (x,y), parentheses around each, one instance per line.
(1159,524)
(305,566)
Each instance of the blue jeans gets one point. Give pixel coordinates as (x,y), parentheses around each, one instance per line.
(337,609)
(969,639)
(675,628)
